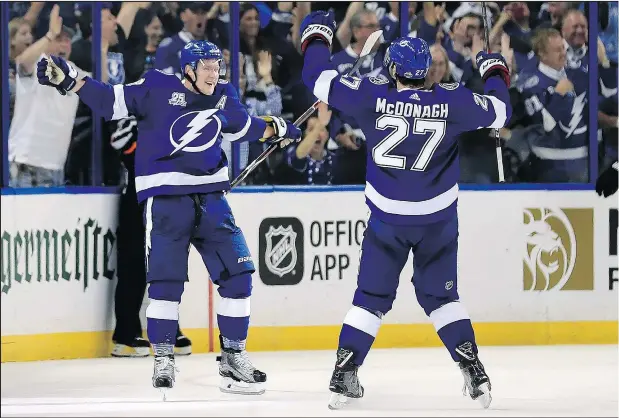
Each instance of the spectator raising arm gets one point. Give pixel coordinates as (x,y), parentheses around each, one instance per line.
(27,59)
(126,15)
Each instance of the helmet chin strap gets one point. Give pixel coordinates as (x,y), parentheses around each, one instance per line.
(193,82)
(194,85)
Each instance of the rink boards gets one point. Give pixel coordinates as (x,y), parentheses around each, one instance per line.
(536,267)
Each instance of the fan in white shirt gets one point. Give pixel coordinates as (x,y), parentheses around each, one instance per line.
(40,131)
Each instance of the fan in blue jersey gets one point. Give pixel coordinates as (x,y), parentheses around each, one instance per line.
(181,174)
(411,190)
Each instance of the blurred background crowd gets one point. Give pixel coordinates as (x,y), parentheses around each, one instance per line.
(546,45)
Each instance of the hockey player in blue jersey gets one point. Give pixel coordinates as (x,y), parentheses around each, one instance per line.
(411,190)
(181,175)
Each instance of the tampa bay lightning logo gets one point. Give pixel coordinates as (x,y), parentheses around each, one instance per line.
(195,131)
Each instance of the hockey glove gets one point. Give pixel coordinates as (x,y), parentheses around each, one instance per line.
(492,64)
(317,25)
(56,72)
(285,132)
(606,183)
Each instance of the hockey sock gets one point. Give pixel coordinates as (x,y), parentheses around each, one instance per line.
(358,332)
(453,325)
(233,319)
(160,331)
(162,311)
(455,334)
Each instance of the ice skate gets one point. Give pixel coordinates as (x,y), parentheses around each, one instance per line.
(476,381)
(164,370)
(138,347)
(344,383)
(238,375)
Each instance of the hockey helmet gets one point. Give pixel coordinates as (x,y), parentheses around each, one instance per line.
(194,51)
(408,58)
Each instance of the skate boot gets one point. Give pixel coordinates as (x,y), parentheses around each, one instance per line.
(476,381)
(344,383)
(238,375)
(137,347)
(165,369)
(183,345)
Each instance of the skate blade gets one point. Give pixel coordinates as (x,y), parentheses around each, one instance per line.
(339,401)
(229,385)
(164,393)
(486,398)
(182,351)
(121,350)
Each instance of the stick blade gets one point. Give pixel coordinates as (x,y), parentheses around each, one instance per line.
(369,44)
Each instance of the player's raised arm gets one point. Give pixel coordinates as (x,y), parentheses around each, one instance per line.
(339,91)
(109,102)
(492,109)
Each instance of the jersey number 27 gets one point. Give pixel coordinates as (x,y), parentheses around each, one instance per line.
(381,153)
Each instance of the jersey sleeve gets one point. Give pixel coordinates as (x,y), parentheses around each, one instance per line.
(119,101)
(489,110)
(163,61)
(227,89)
(239,126)
(344,93)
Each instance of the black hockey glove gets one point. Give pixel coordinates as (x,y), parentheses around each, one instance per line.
(493,64)
(606,183)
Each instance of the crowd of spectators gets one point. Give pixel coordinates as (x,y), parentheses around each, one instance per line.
(546,46)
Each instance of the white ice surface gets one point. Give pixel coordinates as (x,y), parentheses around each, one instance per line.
(526,381)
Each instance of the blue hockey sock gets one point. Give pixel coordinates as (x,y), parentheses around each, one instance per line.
(358,332)
(162,321)
(161,331)
(233,318)
(453,325)
(456,333)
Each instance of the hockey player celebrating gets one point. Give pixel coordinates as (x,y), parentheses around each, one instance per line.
(181,174)
(411,190)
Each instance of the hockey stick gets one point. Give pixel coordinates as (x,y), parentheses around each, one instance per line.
(367,49)
(495,132)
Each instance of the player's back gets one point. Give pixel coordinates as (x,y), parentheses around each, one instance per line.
(412,142)
(411,133)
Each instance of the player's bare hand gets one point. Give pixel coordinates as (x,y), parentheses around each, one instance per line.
(564,86)
(347,140)
(55,22)
(324,114)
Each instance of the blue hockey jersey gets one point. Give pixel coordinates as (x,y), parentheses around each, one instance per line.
(169,52)
(563,117)
(343,62)
(412,157)
(179,132)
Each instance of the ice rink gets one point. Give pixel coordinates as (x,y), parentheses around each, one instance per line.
(527,381)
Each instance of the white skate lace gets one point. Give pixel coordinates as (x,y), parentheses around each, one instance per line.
(242,361)
(165,367)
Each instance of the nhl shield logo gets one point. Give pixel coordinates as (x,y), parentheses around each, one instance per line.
(281,251)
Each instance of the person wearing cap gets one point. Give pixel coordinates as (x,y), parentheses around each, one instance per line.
(194,17)
(40,131)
